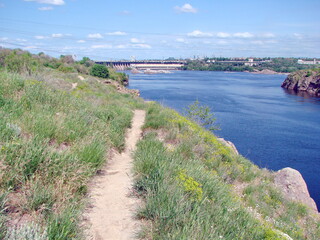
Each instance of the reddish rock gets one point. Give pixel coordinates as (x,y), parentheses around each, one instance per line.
(293,186)
(304,81)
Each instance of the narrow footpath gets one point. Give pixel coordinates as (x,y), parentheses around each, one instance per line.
(113,207)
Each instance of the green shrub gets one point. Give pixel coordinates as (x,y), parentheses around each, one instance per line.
(98,70)
(202,115)
(66,69)
(21,63)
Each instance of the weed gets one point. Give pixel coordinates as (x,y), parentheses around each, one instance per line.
(191,187)
(30,231)
(40,197)
(63,226)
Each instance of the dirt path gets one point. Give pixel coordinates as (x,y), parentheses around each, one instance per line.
(111,216)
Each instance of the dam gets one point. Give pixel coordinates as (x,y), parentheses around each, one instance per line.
(144,64)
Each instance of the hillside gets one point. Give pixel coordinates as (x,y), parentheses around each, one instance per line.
(59,128)
(304,81)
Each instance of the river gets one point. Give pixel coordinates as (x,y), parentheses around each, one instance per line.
(269,126)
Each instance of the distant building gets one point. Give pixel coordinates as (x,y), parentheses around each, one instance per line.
(250,62)
(300,61)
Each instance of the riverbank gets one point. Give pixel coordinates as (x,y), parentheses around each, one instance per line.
(249,106)
(221,194)
(57,132)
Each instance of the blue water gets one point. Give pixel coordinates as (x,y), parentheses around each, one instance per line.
(268,125)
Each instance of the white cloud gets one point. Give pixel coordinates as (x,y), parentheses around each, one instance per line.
(263,42)
(182,40)
(223,34)
(52,2)
(106,46)
(40,37)
(122,46)
(268,35)
(21,40)
(60,35)
(81,41)
(243,35)
(141,45)
(222,42)
(298,35)
(4,39)
(117,33)
(125,12)
(57,35)
(258,42)
(197,33)
(95,35)
(45,8)
(136,40)
(186,8)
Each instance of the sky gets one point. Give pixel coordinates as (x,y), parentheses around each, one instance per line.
(144,29)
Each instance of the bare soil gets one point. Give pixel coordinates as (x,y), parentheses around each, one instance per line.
(113,204)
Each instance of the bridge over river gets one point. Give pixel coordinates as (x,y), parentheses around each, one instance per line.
(144,65)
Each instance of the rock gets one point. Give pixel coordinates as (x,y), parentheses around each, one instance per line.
(293,186)
(135,71)
(283,235)
(81,78)
(74,85)
(265,71)
(15,128)
(304,80)
(229,144)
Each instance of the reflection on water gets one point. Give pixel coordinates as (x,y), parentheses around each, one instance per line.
(269,125)
(304,96)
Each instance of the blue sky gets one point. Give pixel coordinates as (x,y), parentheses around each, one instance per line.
(110,30)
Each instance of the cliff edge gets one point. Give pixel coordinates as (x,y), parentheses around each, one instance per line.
(293,186)
(304,80)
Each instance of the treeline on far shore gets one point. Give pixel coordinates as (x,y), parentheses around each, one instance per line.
(281,65)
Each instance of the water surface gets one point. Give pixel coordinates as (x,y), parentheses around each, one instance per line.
(268,125)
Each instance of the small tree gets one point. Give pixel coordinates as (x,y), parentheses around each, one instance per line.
(86,61)
(98,70)
(202,115)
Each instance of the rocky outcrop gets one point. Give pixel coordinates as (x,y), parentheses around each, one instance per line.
(304,80)
(266,71)
(229,144)
(293,186)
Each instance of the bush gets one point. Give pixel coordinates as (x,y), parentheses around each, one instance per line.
(201,115)
(99,71)
(66,69)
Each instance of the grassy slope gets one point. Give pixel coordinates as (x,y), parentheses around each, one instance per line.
(196,188)
(54,138)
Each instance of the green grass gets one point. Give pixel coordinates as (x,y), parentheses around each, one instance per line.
(56,132)
(189,181)
(52,141)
